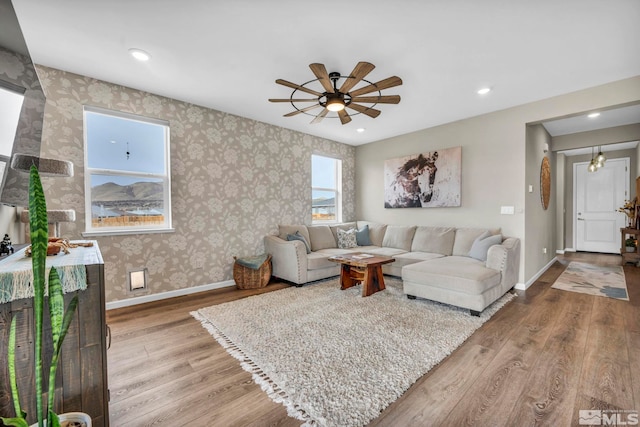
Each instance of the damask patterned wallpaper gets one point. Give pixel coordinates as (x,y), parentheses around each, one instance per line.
(233,181)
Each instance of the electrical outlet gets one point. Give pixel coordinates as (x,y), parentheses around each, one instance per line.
(507,210)
(544,250)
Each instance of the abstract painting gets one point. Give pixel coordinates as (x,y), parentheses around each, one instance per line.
(425,180)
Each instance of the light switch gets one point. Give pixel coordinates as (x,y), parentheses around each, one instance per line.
(507,210)
(530,188)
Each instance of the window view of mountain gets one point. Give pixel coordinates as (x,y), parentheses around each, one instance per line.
(113,204)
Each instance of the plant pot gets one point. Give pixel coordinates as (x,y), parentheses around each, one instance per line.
(631,249)
(71,419)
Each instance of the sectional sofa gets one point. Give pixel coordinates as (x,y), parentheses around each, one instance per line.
(457,266)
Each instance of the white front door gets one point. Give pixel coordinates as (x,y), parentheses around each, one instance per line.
(598,195)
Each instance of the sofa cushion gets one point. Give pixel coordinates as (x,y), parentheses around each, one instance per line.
(465,238)
(392,252)
(481,245)
(399,237)
(347,239)
(321,237)
(283,230)
(376,231)
(298,236)
(456,273)
(413,257)
(320,259)
(362,236)
(437,240)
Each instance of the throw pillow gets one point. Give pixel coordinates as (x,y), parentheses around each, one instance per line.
(298,236)
(347,239)
(362,236)
(481,245)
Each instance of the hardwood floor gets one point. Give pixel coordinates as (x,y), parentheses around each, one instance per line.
(538,361)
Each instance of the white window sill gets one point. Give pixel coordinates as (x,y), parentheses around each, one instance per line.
(121,232)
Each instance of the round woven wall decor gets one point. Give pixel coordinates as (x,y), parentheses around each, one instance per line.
(545,182)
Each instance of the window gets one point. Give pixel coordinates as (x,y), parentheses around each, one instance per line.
(127,180)
(326,185)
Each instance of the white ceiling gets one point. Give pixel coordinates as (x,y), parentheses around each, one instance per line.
(227,54)
(583,123)
(604,148)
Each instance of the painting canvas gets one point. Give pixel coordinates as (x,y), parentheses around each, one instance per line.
(425,180)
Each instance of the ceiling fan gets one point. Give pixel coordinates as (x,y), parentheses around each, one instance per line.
(335,99)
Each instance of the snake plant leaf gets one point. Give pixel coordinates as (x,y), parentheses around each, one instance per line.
(56,305)
(14,422)
(60,322)
(11,359)
(39,241)
(63,322)
(53,420)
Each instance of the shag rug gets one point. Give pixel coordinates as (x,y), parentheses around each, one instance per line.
(592,279)
(332,357)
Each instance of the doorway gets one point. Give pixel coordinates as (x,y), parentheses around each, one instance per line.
(597,197)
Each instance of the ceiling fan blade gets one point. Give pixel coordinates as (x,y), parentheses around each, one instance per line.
(344,117)
(359,72)
(371,112)
(294,100)
(388,99)
(321,73)
(302,110)
(295,86)
(320,116)
(382,84)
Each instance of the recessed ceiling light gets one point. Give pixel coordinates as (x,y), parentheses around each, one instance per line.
(360,130)
(139,54)
(484,91)
(593,115)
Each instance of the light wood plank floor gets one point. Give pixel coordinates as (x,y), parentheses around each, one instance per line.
(539,360)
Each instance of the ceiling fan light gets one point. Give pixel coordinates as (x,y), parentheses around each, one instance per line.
(335,104)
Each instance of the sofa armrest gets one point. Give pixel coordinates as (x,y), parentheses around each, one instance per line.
(288,258)
(506,259)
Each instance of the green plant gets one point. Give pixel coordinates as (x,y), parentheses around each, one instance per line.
(630,242)
(60,320)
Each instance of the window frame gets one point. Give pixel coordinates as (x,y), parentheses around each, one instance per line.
(167,226)
(337,191)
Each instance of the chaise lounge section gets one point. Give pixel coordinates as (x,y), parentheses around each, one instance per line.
(465,267)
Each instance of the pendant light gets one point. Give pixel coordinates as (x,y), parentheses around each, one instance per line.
(600,158)
(592,165)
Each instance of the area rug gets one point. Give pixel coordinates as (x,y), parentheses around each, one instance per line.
(593,279)
(332,357)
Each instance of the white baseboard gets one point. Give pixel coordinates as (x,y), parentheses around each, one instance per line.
(569,250)
(165,295)
(525,286)
(560,251)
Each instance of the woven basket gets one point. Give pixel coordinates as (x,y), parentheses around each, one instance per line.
(248,278)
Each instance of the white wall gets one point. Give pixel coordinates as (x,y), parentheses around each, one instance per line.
(494,167)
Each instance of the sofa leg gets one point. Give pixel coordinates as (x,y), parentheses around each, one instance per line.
(411,296)
(474,313)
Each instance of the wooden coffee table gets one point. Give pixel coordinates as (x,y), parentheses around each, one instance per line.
(362,268)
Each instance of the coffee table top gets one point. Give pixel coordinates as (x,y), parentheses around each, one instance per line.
(359,259)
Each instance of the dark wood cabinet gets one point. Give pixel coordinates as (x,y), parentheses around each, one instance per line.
(81,382)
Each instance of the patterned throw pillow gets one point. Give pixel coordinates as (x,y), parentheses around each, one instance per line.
(347,239)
